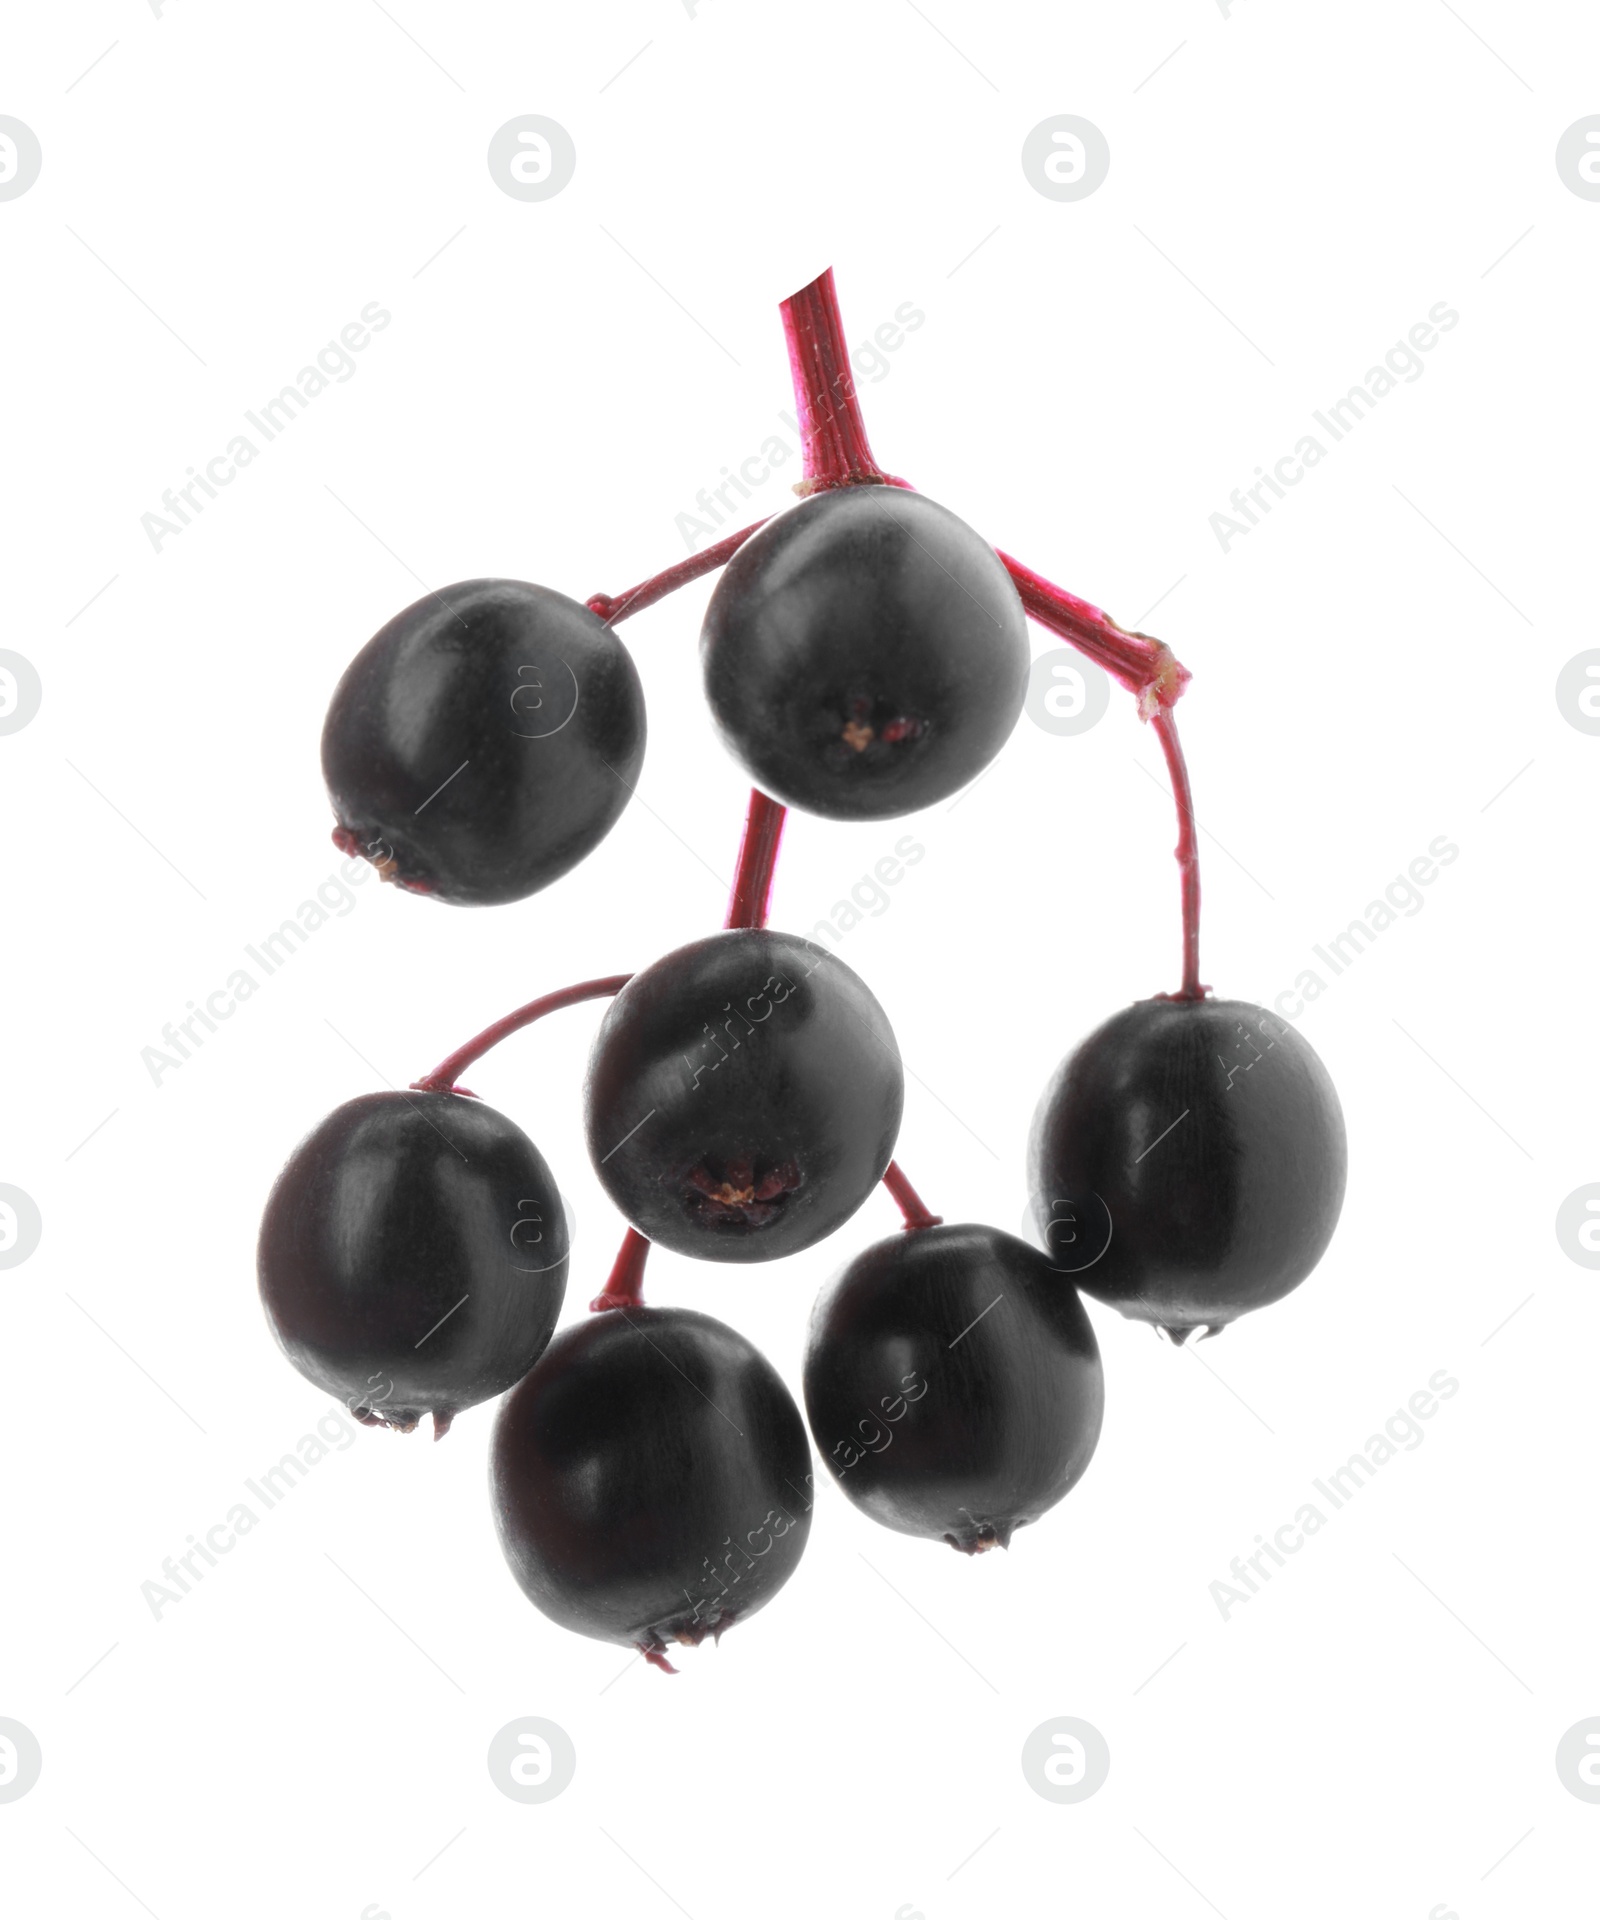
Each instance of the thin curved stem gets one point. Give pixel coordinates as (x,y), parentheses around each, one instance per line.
(444,1076)
(908,1200)
(751,897)
(833,434)
(1188,855)
(625,1287)
(614,607)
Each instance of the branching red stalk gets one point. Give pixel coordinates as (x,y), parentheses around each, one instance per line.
(758,856)
(833,435)
(836,454)
(625,1288)
(909,1201)
(614,607)
(444,1076)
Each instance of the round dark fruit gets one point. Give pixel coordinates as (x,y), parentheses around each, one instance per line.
(865,654)
(743,1096)
(413,1256)
(484,741)
(1187,1162)
(953,1384)
(651,1479)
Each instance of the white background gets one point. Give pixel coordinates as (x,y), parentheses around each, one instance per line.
(1375,1731)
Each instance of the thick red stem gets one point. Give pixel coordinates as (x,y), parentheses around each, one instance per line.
(758,856)
(909,1201)
(444,1076)
(833,435)
(625,1288)
(1145,666)
(1188,855)
(614,607)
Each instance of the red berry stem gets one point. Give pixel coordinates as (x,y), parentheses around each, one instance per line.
(1188,854)
(444,1076)
(833,435)
(612,608)
(909,1201)
(1145,666)
(625,1288)
(750,899)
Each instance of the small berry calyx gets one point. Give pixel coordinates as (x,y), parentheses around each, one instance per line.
(869,722)
(369,845)
(740,1199)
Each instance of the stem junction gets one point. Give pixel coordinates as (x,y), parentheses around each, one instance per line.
(612,608)
(833,434)
(625,1288)
(909,1201)
(443,1078)
(836,454)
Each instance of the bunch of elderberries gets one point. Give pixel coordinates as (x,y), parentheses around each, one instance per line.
(865,655)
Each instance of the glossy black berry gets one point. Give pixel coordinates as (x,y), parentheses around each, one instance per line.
(953,1384)
(413,1256)
(865,654)
(651,1479)
(484,741)
(743,1096)
(1187,1162)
